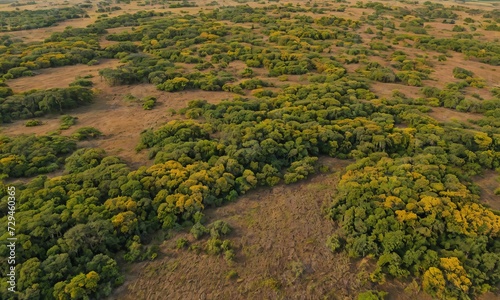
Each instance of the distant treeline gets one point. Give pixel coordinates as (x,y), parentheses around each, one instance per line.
(29,19)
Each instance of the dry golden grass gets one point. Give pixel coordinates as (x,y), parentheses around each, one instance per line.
(443,114)
(443,71)
(382,89)
(119,120)
(274,231)
(488,182)
(59,77)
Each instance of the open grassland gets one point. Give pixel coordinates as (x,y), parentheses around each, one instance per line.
(279,239)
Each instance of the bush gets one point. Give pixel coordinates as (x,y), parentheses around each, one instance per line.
(82,82)
(229,255)
(31,123)
(181,243)
(458,28)
(247,73)
(334,243)
(5,92)
(232,274)
(67,121)
(213,246)
(148,102)
(86,133)
(198,230)
(461,73)
(219,228)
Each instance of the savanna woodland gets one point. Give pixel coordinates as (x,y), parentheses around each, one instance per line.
(250,149)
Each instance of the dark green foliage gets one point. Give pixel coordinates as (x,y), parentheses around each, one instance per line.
(184,3)
(198,230)
(82,245)
(215,246)
(334,243)
(487,52)
(458,28)
(41,102)
(376,72)
(5,91)
(411,222)
(28,19)
(213,81)
(300,169)
(181,243)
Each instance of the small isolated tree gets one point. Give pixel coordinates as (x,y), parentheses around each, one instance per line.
(149,102)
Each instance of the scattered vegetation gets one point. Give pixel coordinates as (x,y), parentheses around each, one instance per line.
(28,19)
(407,202)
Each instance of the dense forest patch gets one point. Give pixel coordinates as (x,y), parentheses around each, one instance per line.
(28,19)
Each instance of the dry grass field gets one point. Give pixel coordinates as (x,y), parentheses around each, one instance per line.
(121,121)
(488,182)
(279,236)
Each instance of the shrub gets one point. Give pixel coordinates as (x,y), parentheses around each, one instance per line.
(86,133)
(461,73)
(232,274)
(181,243)
(219,228)
(31,123)
(247,73)
(229,255)
(198,230)
(213,246)
(67,121)
(148,102)
(82,82)
(334,243)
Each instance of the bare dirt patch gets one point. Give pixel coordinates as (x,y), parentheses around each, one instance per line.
(482,92)
(488,182)
(59,77)
(443,71)
(40,34)
(443,114)
(382,89)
